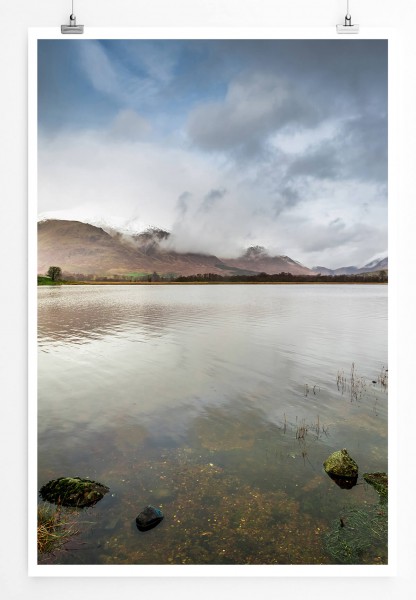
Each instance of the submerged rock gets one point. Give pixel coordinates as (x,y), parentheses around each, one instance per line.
(379,481)
(362,539)
(149,518)
(342,468)
(345,483)
(73,491)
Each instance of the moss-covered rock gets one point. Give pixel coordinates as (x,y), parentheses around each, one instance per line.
(73,491)
(379,481)
(340,466)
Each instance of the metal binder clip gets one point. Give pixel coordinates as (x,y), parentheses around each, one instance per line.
(348,27)
(72,27)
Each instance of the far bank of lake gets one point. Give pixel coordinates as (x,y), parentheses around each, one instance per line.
(99,282)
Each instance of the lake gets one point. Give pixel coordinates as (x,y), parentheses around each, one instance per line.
(219,405)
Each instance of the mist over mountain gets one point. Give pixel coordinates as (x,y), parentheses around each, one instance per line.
(281,143)
(82,248)
(258,260)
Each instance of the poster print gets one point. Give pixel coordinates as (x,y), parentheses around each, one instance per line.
(212,374)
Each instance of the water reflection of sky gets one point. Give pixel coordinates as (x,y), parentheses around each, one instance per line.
(166,346)
(158,356)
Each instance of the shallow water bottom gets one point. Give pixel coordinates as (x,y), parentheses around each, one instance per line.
(258,495)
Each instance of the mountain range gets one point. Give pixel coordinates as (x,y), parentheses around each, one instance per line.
(381,264)
(85,249)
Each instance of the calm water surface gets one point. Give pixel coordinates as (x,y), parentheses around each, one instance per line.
(218,404)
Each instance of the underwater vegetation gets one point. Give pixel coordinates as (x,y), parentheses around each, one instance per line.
(73,491)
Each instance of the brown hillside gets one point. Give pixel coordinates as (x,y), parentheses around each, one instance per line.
(82,248)
(256,259)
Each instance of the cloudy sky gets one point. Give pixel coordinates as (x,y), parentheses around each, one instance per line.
(226,144)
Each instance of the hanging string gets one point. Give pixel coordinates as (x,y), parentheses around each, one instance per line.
(348,16)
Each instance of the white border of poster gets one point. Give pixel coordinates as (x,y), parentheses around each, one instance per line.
(34,569)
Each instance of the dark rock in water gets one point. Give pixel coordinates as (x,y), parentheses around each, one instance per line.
(149,518)
(379,481)
(342,469)
(346,483)
(73,491)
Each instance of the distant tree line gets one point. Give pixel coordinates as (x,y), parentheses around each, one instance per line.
(375,277)
(149,277)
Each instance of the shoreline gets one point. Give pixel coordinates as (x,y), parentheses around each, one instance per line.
(216,283)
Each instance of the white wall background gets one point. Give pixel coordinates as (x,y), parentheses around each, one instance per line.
(16,17)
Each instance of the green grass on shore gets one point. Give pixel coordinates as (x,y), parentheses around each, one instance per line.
(44,280)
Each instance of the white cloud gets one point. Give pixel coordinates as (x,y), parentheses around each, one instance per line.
(98,175)
(209,205)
